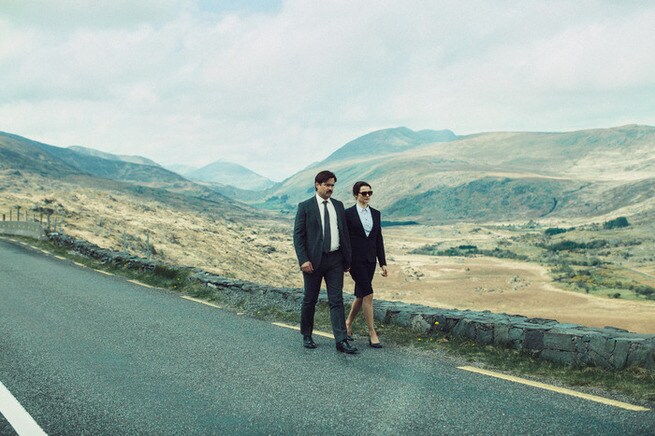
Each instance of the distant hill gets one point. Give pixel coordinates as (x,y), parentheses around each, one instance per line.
(500,176)
(228,173)
(86,170)
(388,141)
(23,153)
(122,158)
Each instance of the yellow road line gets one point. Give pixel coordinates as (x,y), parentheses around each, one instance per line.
(60,258)
(315,332)
(79,264)
(206,303)
(564,391)
(103,272)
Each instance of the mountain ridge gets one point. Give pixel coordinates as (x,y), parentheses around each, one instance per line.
(110,156)
(500,176)
(388,141)
(494,176)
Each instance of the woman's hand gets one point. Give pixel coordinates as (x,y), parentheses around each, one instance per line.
(384,271)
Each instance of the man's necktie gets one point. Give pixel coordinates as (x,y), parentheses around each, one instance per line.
(327,236)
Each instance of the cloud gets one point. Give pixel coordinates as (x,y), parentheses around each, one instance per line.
(277,88)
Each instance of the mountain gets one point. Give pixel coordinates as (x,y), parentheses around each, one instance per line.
(497,176)
(86,170)
(22,153)
(122,158)
(228,173)
(388,141)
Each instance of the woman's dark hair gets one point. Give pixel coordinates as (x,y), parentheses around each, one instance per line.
(357,186)
(324,176)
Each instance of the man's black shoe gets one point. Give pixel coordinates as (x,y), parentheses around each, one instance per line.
(308,342)
(345,347)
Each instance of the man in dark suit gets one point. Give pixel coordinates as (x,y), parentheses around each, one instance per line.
(320,237)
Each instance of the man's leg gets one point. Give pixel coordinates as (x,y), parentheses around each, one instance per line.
(312,288)
(334,283)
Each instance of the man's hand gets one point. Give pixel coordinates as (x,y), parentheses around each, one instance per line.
(307,267)
(384,271)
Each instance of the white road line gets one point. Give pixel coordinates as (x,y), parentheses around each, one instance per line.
(136,282)
(206,303)
(564,391)
(16,414)
(293,327)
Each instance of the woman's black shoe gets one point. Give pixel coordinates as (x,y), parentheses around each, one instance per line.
(372,345)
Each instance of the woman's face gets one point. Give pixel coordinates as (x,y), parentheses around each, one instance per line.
(364,195)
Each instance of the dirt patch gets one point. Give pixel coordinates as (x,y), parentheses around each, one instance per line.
(498,285)
(503,287)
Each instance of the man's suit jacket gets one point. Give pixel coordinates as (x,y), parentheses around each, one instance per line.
(308,233)
(365,248)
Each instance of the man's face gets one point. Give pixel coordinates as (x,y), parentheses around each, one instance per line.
(324,190)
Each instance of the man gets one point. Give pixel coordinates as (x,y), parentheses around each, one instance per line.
(322,244)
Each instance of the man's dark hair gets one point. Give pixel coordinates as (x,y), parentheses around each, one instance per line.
(357,186)
(324,176)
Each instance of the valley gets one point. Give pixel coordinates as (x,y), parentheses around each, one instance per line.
(259,248)
(505,222)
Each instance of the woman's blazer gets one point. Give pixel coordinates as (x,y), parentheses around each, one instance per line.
(365,248)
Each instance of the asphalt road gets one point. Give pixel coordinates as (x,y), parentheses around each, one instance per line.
(86,353)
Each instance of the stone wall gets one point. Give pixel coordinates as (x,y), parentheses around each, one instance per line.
(30,229)
(569,344)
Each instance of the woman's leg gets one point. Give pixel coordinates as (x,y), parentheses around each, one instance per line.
(354,311)
(367,309)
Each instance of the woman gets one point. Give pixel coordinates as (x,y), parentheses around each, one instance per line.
(367,246)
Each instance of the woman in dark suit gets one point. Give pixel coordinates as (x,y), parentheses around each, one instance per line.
(367,246)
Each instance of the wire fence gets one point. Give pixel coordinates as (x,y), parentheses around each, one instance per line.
(51,222)
(47,217)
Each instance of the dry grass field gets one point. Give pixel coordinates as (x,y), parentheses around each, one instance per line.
(260,250)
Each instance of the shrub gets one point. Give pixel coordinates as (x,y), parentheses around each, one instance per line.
(616,223)
(554,231)
(572,245)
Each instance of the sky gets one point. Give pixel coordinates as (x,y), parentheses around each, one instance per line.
(278,85)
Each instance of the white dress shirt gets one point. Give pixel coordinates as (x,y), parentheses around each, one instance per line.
(366,219)
(334,226)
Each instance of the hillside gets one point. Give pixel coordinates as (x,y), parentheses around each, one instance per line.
(86,170)
(388,141)
(501,176)
(122,158)
(184,223)
(24,154)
